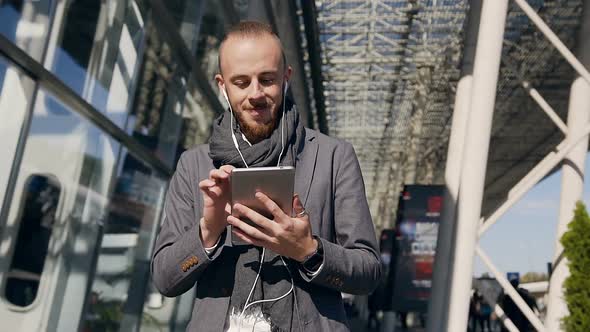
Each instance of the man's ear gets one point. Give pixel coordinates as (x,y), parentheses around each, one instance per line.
(220,81)
(288,73)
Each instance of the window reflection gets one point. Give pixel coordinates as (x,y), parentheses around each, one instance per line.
(198,117)
(187,15)
(40,199)
(95,267)
(98,52)
(15,94)
(120,284)
(201,25)
(156,117)
(81,159)
(169,114)
(26,23)
(209,39)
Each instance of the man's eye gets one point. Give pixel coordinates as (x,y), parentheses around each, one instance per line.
(267,81)
(241,84)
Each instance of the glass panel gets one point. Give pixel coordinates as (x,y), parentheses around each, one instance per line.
(187,15)
(15,93)
(210,36)
(198,116)
(156,117)
(70,151)
(26,23)
(120,284)
(201,25)
(98,51)
(40,199)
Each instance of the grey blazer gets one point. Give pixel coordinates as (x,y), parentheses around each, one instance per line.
(328,179)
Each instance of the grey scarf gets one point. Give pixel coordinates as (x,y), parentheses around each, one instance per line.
(274,280)
(263,153)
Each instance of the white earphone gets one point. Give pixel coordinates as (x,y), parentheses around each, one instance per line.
(233,135)
(235,140)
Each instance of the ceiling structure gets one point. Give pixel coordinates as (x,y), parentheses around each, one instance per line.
(389,72)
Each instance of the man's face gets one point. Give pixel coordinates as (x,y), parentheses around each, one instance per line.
(253,74)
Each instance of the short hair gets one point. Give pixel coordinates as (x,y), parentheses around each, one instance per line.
(252,29)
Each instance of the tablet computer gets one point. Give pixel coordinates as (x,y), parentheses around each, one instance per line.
(275,182)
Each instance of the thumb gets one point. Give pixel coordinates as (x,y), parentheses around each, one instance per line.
(297,205)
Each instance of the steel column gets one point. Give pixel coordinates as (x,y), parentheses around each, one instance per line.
(444,260)
(475,154)
(572,181)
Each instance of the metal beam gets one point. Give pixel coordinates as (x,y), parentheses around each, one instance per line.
(485,78)
(312,34)
(50,83)
(516,298)
(572,178)
(444,259)
(167,29)
(287,26)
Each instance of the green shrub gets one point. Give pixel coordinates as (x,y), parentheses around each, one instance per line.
(576,248)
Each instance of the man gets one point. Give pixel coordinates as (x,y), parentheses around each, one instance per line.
(512,311)
(327,247)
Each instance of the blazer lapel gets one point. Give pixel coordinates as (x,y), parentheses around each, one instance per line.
(305,166)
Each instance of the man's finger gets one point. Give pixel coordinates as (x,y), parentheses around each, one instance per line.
(217,174)
(271,206)
(215,190)
(260,220)
(297,205)
(244,237)
(227,168)
(206,184)
(250,231)
(210,188)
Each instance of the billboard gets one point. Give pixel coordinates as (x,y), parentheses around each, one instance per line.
(416,233)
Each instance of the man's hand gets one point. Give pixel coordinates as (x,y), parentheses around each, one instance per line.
(287,236)
(216,196)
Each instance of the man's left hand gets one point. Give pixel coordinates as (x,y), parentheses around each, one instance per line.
(287,236)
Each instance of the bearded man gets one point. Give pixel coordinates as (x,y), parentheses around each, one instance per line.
(325,248)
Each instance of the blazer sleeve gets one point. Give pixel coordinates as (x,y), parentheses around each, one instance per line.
(179,257)
(352,265)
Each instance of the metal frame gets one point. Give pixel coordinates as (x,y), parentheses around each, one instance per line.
(25,127)
(167,28)
(310,26)
(444,262)
(73,101)
(44,79)
(389,69)
(475,155)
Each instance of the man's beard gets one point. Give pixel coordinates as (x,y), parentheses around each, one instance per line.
(257,132)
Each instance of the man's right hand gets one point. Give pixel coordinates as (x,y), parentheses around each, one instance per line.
(216,196)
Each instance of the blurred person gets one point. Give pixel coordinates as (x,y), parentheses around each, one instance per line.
(485,313)
(480,312)
(291,274)
(513,312)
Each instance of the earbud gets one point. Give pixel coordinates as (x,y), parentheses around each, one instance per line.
(286,87)
(225,95)
(231,125)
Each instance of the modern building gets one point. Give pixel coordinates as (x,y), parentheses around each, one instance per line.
(98,100)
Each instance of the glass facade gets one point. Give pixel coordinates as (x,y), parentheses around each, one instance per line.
(85,166)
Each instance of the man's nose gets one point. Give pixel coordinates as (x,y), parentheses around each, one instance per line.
(256,90)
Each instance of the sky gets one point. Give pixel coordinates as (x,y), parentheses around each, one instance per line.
(523,240)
